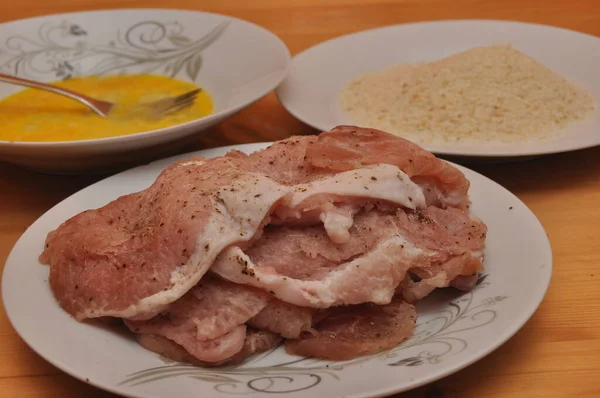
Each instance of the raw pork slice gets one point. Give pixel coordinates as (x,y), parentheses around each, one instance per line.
(256,341)
(466,240)
(303,267)
(318,163)
(134,256)
(348,332)
(209,320)
(350,147)
(301,159)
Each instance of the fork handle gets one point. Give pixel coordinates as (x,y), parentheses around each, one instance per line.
(100,107)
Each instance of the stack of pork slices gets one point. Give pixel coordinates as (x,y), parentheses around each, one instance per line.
(323,242)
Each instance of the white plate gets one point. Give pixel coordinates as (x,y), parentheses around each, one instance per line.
(453,330)
(236,61)
(310,90)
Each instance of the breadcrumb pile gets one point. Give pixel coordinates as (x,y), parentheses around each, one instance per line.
(485,94)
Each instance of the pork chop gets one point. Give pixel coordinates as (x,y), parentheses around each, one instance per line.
(348,332)
(301,159)
(209,320)
(134,256)
(256,341)
(349,147)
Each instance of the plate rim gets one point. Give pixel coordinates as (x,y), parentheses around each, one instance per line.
(166,130)
(466,153)
(251,147)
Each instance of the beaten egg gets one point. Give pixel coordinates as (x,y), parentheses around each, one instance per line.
(34,115)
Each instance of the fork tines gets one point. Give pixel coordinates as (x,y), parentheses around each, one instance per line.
(166,106)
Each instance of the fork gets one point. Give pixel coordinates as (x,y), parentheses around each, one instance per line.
(156,109)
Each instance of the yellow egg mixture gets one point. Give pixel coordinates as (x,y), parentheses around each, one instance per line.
(40,116)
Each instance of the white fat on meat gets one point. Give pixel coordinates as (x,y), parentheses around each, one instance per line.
(338,221)
(372,277)
(235,219)
(335,199)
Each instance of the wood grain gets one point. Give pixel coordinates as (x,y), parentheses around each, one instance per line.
(557,353)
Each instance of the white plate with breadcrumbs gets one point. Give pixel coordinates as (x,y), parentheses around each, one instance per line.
(313,87)
(454,330)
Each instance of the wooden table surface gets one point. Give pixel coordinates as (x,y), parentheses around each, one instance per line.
(556,354)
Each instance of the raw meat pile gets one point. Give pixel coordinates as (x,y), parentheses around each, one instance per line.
(323,242)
